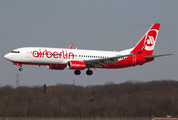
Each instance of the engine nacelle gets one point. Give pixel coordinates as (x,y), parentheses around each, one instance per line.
(76,65)
(56,67)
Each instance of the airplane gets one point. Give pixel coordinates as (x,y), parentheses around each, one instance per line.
(80,59)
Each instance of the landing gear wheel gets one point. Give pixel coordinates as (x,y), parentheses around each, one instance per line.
(20,69)
(77,72)
(89,72)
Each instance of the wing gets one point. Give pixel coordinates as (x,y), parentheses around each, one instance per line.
(96,62)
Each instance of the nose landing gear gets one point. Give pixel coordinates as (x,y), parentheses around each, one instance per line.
(20,69)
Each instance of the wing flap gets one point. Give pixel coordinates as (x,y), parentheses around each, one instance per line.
(102,63)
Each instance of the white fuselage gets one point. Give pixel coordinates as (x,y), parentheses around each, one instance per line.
(47,56)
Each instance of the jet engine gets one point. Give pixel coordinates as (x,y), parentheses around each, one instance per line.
(76,65)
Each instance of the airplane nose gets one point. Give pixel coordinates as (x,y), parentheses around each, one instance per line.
(7,56)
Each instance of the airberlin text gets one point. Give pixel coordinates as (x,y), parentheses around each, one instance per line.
(63,54)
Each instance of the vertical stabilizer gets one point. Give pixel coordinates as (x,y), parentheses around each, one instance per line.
(148,41)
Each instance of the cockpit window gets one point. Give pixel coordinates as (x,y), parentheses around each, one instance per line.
(15,51)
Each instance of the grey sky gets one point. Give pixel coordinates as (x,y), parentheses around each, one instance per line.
(89,24)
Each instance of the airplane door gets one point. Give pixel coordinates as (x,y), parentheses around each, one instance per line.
(134,59)
(28,54)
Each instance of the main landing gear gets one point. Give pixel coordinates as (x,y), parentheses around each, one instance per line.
(78,72)
(89,72)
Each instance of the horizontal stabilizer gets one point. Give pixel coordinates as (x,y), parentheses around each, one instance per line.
(147,57)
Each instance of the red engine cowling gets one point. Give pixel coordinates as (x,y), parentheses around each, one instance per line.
(56,67)
(76,65)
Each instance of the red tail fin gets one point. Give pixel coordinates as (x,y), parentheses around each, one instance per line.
(147,43)
(70,46)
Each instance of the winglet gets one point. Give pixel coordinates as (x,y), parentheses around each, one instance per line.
(70,46)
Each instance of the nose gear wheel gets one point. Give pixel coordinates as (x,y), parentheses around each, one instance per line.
(20,69)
